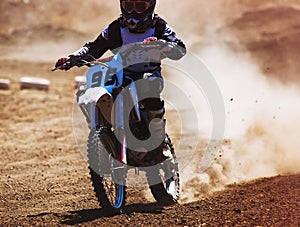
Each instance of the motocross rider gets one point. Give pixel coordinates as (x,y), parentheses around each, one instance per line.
(138,23)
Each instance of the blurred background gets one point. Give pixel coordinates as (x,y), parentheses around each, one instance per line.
(268,30)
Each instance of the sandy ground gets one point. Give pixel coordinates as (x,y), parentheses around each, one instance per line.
(44,180)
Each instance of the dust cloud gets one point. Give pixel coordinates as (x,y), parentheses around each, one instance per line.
(261,134)
(261,137)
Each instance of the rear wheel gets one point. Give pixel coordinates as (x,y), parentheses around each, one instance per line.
(167,190)
(107,175)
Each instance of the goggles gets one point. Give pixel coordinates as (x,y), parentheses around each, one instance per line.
(138,6)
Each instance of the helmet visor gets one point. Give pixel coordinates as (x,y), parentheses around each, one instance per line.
(136,6)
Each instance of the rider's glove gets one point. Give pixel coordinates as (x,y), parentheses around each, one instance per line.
(166,46)
(171,50)
(150,40)
(60,64)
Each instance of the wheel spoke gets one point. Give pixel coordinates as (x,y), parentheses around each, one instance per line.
(110,195)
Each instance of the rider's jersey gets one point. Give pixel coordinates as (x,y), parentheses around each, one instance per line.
(117,35)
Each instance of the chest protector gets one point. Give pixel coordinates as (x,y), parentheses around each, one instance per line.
(140,60)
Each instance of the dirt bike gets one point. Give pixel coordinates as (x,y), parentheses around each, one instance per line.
(115,113)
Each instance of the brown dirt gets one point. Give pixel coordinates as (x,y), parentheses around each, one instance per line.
(44,180)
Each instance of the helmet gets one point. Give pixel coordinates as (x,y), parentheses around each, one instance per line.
(137,14)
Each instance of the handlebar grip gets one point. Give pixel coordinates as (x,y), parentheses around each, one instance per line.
(65,66)
(56,68)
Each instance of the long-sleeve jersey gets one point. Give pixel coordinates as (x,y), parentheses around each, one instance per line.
(116,35)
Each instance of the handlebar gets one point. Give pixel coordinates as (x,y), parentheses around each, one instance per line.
(56,68)
(89,60)
(126,49)
(79,61)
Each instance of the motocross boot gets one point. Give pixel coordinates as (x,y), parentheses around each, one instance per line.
(158,132)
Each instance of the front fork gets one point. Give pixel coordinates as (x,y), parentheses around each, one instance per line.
(94,115)
(120,117)
(119,126)
(125,101)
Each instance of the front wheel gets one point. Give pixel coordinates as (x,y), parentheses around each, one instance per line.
(107,175)
(167,191)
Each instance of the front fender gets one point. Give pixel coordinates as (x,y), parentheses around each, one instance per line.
(93,95)
(100,97)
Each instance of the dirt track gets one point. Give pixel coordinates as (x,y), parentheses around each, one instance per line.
(44,180)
